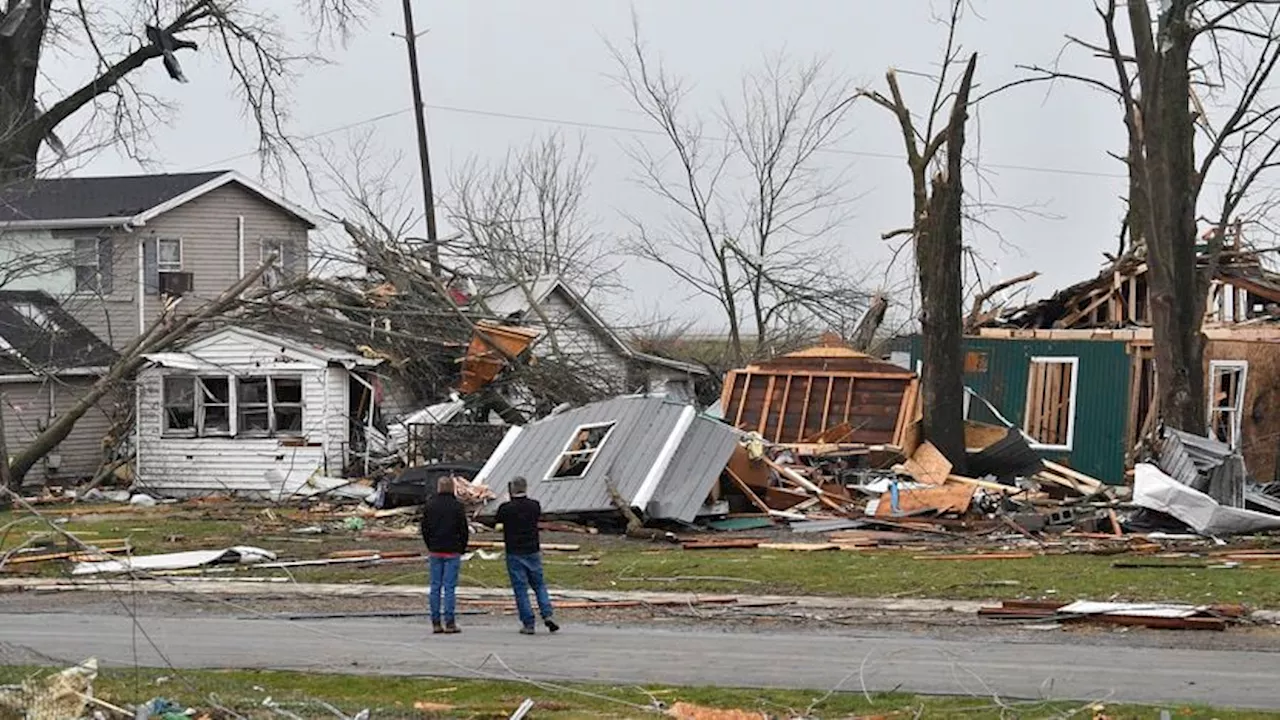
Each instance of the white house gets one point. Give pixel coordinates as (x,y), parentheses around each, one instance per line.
(246,413)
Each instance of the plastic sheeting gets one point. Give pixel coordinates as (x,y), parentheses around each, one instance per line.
(1154,490)
(239,554)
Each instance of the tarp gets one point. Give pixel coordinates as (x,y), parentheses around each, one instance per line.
(1154,490)
(239,554)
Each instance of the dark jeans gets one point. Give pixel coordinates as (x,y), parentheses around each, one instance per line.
(525,572)
(444,581)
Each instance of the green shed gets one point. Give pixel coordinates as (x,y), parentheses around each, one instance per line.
(1070,396)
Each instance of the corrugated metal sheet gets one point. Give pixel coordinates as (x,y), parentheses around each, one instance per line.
(694,470)
(642,426)
(1102,397)
(1204,464)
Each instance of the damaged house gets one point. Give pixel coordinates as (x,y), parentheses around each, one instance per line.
(243,412)
(1075,372)
(662,458)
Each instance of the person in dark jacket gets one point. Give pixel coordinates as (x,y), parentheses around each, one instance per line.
(519,519)
(446,533)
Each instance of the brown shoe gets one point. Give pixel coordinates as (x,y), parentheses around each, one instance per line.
(451,629)
(436,628)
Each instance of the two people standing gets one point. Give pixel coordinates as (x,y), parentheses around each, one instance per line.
(446,533)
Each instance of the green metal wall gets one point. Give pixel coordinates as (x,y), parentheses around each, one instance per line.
(1102,395)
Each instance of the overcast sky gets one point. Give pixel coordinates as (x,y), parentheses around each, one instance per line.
(497,73)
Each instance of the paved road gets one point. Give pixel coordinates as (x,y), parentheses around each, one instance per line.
(685,657)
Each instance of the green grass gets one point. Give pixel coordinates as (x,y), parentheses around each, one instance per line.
(394,697)
(610,563)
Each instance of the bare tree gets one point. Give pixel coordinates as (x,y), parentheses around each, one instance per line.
(112,106)
(934,145)
(1199,70)
(761,248)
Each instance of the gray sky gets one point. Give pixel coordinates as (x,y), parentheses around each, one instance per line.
(498,72)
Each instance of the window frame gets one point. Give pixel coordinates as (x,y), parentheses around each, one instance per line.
(1074,363)
(276,404)
(1237,412)
(102,280)
(168,267)
(550,474)
(279,272)
(270,406)
(165,430)
(203,400)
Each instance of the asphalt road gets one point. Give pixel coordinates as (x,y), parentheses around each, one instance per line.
(907,662)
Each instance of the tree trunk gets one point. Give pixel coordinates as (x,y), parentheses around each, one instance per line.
(1177,290)
(939,245)
(19,60)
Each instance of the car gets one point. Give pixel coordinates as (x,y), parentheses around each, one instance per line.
(414,485)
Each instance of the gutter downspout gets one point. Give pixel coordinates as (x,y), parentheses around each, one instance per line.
(142,285)
(240,243)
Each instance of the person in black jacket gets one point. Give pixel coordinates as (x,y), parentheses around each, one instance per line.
(519,519)
(446,533)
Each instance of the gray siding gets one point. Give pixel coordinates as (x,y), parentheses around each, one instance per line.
(27,411)
(583,343)
(208,227)
(694,471)
(642,427)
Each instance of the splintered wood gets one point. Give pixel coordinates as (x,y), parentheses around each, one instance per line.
(928,465)
(952,497)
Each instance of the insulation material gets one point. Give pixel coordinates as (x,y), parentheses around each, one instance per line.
(1154,490)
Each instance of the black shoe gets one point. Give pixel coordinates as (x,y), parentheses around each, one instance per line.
(551,625)
(527,631)
(436,628)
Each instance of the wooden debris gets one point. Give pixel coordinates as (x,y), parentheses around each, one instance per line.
(498,545)
(689,711)
(979,556)
(721,543)
(952,497)
(928,465)
(799,547)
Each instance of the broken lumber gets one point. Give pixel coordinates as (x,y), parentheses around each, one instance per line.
(1091,482)
(979,556)
(498,545)
(721,544)
(799,547)
(928,465)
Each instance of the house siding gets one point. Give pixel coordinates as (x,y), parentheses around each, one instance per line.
(242,465)
(586,346)
(703,453)
(208,227)
(28,411)
(1102,395)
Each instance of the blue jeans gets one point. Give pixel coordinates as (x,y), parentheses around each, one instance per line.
(525,572)
(444,581)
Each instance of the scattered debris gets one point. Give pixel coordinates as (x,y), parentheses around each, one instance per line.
(55,697)
(689,711)
(1151,615)
(177,561)
(1154,490)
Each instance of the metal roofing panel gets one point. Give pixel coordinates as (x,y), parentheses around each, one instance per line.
(641,426)
(694,470)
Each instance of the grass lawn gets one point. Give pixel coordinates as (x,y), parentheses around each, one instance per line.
(395,697)
(619,564)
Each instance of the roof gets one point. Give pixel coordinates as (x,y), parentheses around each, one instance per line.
(509,301)
(38,335)
(661,456)
(191,356)
(120,199)
(829,358)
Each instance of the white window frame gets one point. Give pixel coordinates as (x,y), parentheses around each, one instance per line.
(168,267)
(96,264)
(550,475)
(1074,362)
(198,417)
(272,429)
(1237,412)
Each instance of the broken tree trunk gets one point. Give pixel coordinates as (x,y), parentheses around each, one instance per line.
(865,334)
(939,245)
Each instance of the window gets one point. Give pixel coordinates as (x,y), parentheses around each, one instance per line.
(1050,418)
(1227,380)
(170,255)
(92,258)
(196,406)
(269,406)
(580,451)
(287,263)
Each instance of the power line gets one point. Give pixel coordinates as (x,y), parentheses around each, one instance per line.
(1042,169)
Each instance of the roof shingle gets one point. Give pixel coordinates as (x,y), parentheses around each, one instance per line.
(82,198)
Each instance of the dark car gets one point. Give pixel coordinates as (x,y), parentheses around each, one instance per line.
(414,485)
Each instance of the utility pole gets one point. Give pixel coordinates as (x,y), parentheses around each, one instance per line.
(424,157)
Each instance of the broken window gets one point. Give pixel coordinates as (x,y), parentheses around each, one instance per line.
(253,398)
(580,451)
(215,405)
(1227,380)
(1051,401)
(287,263)
(286,405)
(179,404)
(91,258)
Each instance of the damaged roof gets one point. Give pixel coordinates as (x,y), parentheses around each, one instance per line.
(662,457)
(38,334)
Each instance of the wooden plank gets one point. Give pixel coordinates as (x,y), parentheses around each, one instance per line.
(804,409)
(782,411)
(742,405)
(979,556)
(848,401)
(1053,395)
(1073,474)
(954,497)
(826,404)
(768,403)
(984,484)
(726,394)
(799,547)
(721,544)
(928,465)
(746,490)
(752,472)
(1033,416)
